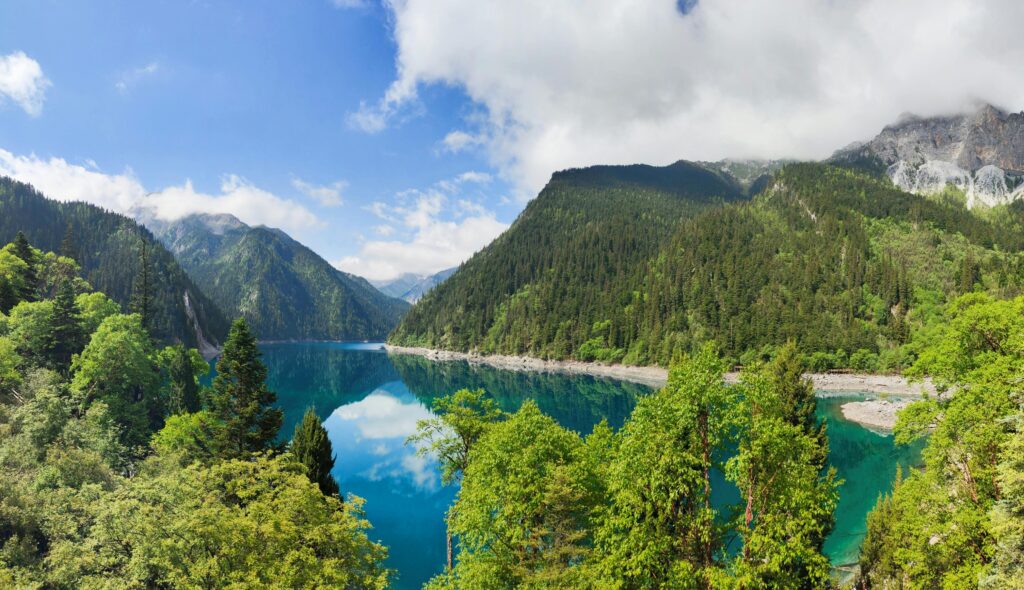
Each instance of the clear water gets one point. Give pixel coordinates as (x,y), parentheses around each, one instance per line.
(370,403)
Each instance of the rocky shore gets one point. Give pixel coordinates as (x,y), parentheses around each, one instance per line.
(657,376)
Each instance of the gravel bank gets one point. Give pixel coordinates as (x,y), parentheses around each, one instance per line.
(657,376)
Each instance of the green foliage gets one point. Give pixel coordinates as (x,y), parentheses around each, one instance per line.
(660,530)
(106,245)
(233,524)
(956,521)
(240,398)
(118,368)
(184,368)
(461,420)
(539,507)
(311,448)
(525,507)
(283,289)
(82,506)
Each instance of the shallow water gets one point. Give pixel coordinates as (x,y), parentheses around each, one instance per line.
(370,403)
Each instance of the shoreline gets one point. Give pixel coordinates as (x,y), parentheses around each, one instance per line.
(896,385)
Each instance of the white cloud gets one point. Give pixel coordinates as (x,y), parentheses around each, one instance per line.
(566,84)
(124,193)
(22,81)
(328,195)
(442,227)
(130,78)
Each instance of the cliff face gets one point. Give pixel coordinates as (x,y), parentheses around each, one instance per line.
(986,137)
(980,153)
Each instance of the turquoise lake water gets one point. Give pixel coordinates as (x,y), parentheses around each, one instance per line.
(370,403)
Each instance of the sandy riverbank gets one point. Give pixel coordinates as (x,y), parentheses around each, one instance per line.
(657,376)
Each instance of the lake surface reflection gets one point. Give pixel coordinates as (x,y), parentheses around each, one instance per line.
(370,402)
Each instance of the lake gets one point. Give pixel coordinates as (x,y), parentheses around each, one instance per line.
(369,403)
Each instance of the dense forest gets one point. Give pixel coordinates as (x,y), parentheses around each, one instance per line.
(574,256)
(114,252)
(120,471)
(838,260)
(284,289)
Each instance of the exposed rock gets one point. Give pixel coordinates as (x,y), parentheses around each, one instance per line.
(981,154)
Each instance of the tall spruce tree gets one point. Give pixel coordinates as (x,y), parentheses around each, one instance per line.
(30,283)
(142,288)
(68,247)
(797,393)
(312,448)
(240,398)
(65,336)
(184,394)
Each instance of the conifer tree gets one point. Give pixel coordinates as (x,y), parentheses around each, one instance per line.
(24,251)
(184,396)
(65,337)
(240,398)
(142,288)
(68,247)
(312,448)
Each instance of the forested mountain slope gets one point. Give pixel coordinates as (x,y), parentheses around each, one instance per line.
(285,290)
(574,257)
(843,262)
(107,246)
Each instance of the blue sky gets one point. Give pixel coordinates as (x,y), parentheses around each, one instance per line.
(403,135)
(174,91)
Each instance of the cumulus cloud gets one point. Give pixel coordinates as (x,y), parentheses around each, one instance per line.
(124,193)
(566,84)
(441,228)
(328,195)
(22,82)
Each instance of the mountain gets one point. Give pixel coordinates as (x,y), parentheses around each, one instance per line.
(980,155)
(574,257)
(637,271)
(284,289)
(106,245)
(412,287)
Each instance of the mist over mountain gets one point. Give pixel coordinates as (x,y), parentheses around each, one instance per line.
(980,154)
(412,287)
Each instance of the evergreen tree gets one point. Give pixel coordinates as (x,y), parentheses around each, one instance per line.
(312,448)
(68,247)
(184,394)
(240,398)
(65,336)
(30,282)
(142,288)
(797,395)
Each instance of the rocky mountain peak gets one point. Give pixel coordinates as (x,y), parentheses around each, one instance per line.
(980,153)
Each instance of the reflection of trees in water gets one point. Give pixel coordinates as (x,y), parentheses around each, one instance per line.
(576,401)
(323,376)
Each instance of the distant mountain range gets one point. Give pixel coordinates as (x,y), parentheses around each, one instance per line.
(107,248)
(412,287)
(979,154)
(284,289)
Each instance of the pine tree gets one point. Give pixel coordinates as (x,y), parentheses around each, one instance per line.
(184,396)
(787,374)
(68,247)
(24,251)
(65,337)
(142,288)
(240,398)
(312,448)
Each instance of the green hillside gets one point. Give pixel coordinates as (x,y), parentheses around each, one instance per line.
(600,269)
(285,290)
(107,246)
